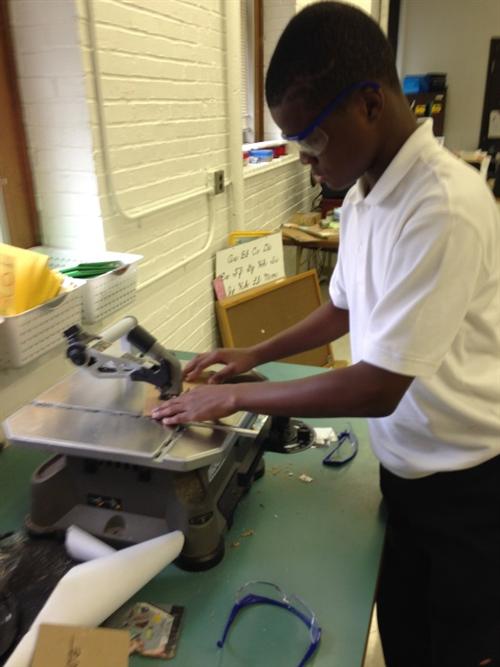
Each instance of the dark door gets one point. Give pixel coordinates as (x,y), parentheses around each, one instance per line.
(489,139)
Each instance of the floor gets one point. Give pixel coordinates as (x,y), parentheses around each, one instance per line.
(374,656)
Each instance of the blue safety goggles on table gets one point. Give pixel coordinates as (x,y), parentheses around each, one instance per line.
(264,592)
(344,449)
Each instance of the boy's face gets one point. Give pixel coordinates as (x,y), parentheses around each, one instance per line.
(351,147)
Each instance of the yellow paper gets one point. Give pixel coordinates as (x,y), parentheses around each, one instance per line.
(27,280)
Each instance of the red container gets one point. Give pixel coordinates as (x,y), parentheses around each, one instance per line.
(279,151)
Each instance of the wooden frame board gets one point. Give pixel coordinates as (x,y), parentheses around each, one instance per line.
(15,173)
(258,70)
(258,314)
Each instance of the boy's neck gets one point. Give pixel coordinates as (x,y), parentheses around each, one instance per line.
(397,126)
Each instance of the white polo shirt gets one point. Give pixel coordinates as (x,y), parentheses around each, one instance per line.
(419,272)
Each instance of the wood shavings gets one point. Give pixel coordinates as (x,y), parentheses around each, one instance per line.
(277,470)
(247,533)
(305,478)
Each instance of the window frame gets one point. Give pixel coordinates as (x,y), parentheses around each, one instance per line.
(21,222)
(252,55)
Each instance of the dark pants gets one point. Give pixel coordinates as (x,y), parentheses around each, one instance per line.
(439,590)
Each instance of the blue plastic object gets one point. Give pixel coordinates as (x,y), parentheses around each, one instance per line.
(415,83)
(261,155)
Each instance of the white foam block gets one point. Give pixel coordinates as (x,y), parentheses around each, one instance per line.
(83,546)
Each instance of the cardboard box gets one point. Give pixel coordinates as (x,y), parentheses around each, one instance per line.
(67,646)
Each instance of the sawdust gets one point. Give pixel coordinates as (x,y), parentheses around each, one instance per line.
(247,533)
(305,478)
(276,470)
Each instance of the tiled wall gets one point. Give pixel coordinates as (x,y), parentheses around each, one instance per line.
(164,82)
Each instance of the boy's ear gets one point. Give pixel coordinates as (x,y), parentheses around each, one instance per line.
(374,102)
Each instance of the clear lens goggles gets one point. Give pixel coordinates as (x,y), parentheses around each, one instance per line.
(264,592)
(313,140)
(344,450)
(315,143)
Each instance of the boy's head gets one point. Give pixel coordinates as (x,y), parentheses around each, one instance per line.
(328,85)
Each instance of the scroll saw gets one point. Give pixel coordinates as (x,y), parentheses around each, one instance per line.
(126,478)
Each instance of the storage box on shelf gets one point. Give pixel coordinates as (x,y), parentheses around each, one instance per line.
(105,294)
(26,336)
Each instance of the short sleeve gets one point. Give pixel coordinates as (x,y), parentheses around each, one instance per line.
(337,286)
(430,281)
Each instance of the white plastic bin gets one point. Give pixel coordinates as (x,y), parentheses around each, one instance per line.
(30,334)
(103,295)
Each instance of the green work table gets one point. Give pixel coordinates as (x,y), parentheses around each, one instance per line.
(320,541)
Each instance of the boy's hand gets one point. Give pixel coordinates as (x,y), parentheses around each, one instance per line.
(237,360)
(199,404)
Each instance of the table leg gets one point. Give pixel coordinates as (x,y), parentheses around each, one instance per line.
(298,259)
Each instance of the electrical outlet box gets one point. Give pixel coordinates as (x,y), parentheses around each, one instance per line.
(218,181)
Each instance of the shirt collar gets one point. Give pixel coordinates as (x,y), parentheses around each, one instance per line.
(420,140)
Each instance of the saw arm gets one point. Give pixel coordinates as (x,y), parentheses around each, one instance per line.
(154,364)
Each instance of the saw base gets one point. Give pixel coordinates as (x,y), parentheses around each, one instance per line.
(124,504)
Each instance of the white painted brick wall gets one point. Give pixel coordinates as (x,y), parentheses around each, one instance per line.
(164,83)
(271,198)
(52,88)
(163,73)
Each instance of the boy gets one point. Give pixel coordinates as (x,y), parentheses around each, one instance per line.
(417,286)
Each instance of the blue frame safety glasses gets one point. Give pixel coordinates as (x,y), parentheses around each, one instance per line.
(313,140)
(264,592)
(344,450)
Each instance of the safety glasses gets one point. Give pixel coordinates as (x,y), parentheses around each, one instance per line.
(313,140)
(264,592)
(344,450)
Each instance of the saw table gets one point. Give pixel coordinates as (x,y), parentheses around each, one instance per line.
(126,478)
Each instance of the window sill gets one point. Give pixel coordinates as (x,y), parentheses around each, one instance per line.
(250,170)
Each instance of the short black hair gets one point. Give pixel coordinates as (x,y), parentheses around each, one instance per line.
(325,48)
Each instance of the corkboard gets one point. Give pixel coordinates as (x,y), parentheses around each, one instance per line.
(258,314)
